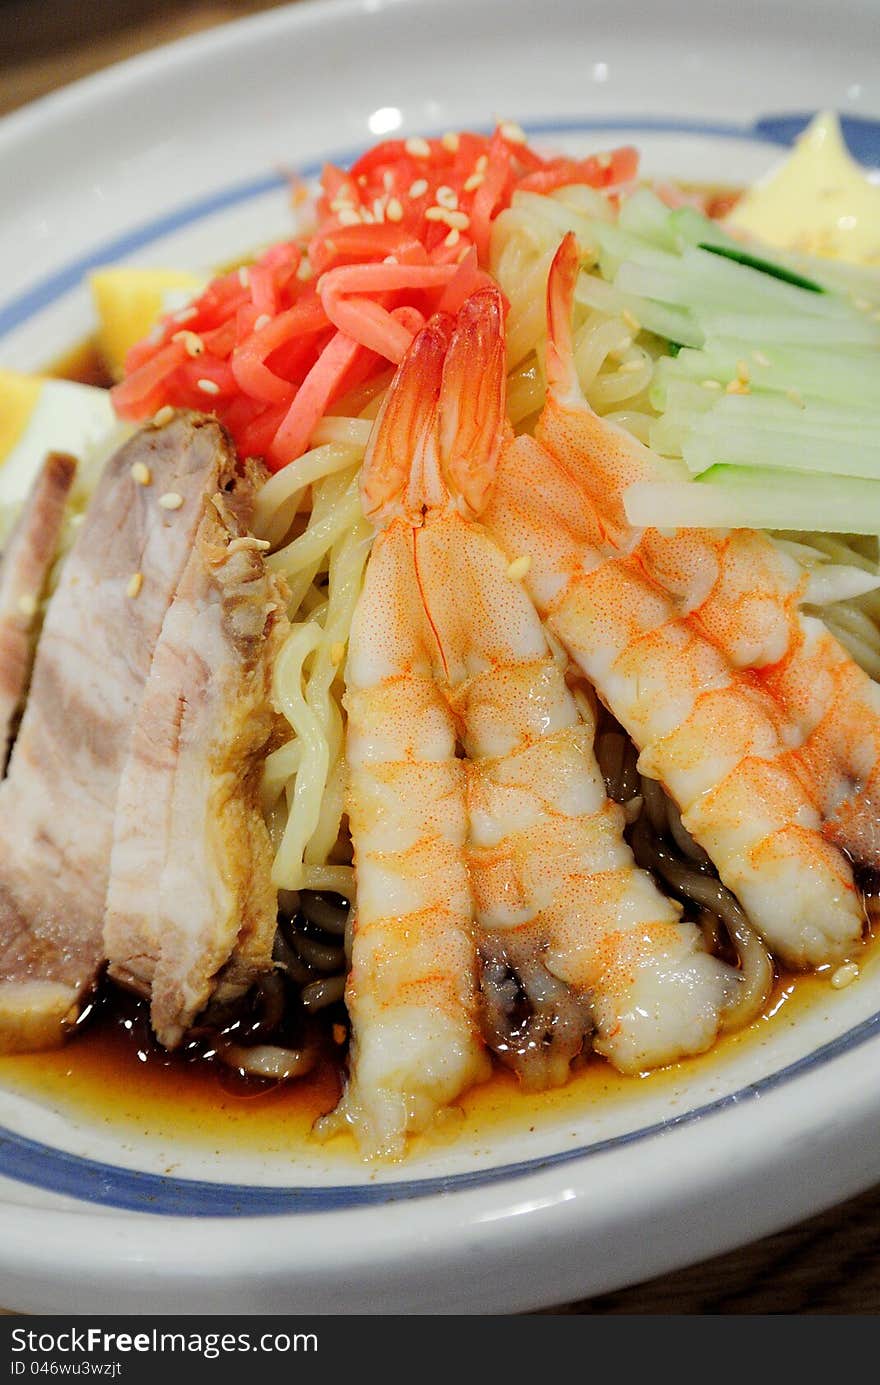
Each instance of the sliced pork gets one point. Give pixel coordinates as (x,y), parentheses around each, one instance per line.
(191,910)
(24,567)
(58,801)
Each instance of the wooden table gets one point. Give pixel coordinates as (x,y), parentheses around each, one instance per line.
(830,1264)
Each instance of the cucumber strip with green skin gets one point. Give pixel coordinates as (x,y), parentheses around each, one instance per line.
(769,410)
(744,477)
(700,280)
(674,229)
(671,394)
(794,329)
(621,245)
(644,215)
(667,436)
(849,375)
(858,282)
(664,322)
(788,276)
(798,349)
(646,225)
(690,227)
(730,497)
(702,449)
(771,432)
(717,275)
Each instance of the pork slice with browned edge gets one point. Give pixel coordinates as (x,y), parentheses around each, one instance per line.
(191,909)
(58,800)
(24,568)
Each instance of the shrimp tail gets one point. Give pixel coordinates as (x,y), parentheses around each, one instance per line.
(562,376)
(440,432)
(597,453)
(401,471)
(472,402)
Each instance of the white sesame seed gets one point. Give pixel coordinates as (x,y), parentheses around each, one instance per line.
(450,141)
(394,211)
(388,180)
(171,500)
(192,341)
(760,359)
(446,197)
(27,604)
(418,188)
(141,473)
(390,259)
(482,164)
(379,209)
(134,584)
(208,386)
(163,415)
(476,180)
(418,147)
(603,160)
(711,384)
(185,314)
(461,220)
(348,217)
(519,567)
(513,133)
(262,321)
(337,653)
(796,398)
(244,276)
(342,203)
(845,975)
(452,237)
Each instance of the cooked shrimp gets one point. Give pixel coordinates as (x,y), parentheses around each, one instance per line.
(412,991)
(572,936)
(746,594)
(705,729)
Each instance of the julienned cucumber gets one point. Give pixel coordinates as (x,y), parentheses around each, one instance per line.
(788,276)
(770,386)
(732,497)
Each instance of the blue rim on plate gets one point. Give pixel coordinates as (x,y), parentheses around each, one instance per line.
(28,1161)
(88,1180)
(862,136)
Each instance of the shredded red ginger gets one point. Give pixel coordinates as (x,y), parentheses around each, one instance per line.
(270,347)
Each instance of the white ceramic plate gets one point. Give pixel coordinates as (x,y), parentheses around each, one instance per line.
(177,159)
